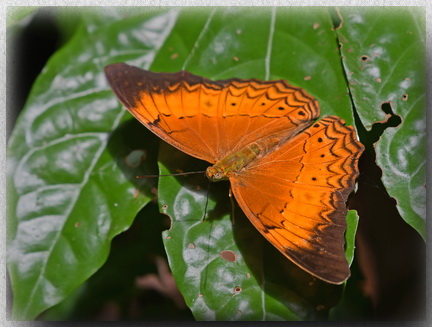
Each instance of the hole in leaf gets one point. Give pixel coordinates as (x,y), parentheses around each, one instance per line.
(237,290)
(386,107)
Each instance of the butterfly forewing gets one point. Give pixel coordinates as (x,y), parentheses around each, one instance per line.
(210,119)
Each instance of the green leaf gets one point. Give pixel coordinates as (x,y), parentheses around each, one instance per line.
(352,222)
(384,55)
(19,16)
(71,180)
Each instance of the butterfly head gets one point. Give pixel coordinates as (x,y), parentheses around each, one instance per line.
(216,173)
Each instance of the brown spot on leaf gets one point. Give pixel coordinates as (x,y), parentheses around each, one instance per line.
(229,255)
(191,246)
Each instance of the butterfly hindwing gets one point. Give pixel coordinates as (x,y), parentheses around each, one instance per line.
(295,196)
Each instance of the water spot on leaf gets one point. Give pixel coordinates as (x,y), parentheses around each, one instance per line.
(193,255)
(406,83)
(135,158)
(374,72)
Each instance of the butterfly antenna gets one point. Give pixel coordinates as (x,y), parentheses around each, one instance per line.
(232,206)
(176,174)
(207,198)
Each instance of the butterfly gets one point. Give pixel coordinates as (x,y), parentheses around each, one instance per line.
(290,174)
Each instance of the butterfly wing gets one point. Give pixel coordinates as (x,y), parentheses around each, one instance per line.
(209,119)
(296,195)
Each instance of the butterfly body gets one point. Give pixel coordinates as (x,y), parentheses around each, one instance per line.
(290,174)
(233,163)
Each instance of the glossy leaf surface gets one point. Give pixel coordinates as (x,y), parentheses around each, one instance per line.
(71,180)
(384,55)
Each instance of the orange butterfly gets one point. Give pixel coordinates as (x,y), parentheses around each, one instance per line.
(290,175)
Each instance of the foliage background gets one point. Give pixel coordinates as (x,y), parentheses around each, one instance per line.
(386,258)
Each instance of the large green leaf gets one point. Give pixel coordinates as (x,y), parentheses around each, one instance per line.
(384,55)
(71,179)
